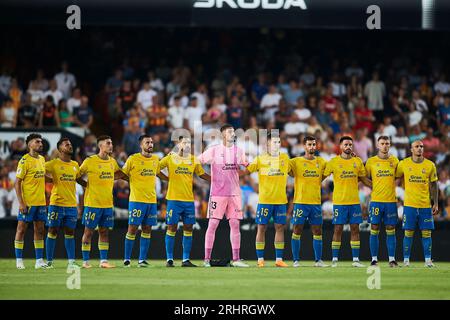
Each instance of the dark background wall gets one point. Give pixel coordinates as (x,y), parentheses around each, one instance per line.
(222,247)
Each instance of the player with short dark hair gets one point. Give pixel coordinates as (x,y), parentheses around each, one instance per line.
(308,173)
(347,172)
(181,166)
(383,203)
(420,181)
(142,169)
(62,211)
(272,168)
(101,171)
(30,191)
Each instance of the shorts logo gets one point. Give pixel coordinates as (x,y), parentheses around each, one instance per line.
(354,165)
(424,171)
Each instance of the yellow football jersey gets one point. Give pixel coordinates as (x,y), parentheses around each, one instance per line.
(272,175)
(32,172)
(142,172)
(64,176)
(345,177)
(181,176)
(417,178)
(308,179)
(100,181)
(382,173)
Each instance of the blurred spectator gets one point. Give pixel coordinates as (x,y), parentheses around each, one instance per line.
(5,81)
(308,77)
(363,116)
(362,145)
(65,117)
(283,115)
(65,80)
(430,144)
(40,82)
(74,101)
(145,96)
(49,116)
(375,91)
(28,113)
(157,116)
(301,113)
(193,115)
(37,95)
(126,97)
(444,110)
(234,113)
(18,149)
(270,102)
(131,136)
(8,114)
(176,114)
(442,85)
(155,82)
(83,116)
(293,93)
(54,92)
(15,93)
(112,88)
(202,97)
(259,89)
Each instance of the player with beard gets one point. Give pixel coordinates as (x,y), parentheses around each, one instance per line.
(142,169)
(225,196)
(30,191)
(308,173)
(62,211)
(347,171)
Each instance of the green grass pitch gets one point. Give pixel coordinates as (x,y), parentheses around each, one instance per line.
(159,282)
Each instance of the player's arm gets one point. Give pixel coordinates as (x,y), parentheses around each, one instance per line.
(366,181)
(119,174)
(81,182)
(206,177)
(162,176)
(434,190)
(18,189)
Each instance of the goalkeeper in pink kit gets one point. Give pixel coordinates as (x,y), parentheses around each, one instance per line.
(225,196)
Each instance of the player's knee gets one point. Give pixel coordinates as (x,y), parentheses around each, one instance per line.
(53,231)
(172,227)
(187,227)
(279,227)
(132,229)
(375,227)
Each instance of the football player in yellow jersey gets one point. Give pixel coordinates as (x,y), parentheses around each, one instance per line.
(101,171)
(181,166)
(62,211)
(142,169)
(272,168)
(30,190)
(383,203)
(420,181)
(347,171)
(308,172)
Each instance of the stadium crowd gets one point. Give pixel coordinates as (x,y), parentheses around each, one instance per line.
(274,80)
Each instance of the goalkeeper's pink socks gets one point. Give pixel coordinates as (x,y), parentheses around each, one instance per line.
(210,236)
(235,237)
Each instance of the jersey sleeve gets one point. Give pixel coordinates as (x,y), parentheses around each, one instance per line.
(116,166)
(127,166)
(292,167)
(399,171)
(49,167)
(21,171)
(158,167)
(328,168)
(84,167)
(433,173)
(323,165)
(368,167)
(164,163)
(362,170)
(254,166)
(198,170)
(207,156)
